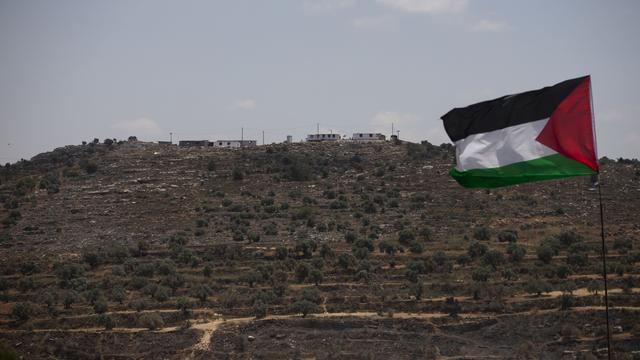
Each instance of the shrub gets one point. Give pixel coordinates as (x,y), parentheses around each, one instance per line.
(617,269)
(145,270)
(566,301)
(24,186)
(568,238)
(201,292)
(118,294)
(516,252)
(254,237)
(439,257)
(141,249)
(416,247)
(297,171)
(281,253)
(545,253)
(237,174)
(182,304)
(21,311)
(346,261)
(451,306)
(481,233)
(350,237)
(306,247)
(90,167)
(326,251)
(250,278)
(508,236)
(425,233)
(578,259)
(91,258)
(304,307)
(364,243)
(537,287)
(388,247)
(259,309)
(363,275)
(28,268)
(100,305)
(229,299)
(463,259)
(106,321)
(211,165)
(562,271)
(151,321)
(8,353)
(70,297)
(25,284)
(369,208)
(207,271)
(477,249)
(138,305)
(417,290)
(406,236)
(302,271)
(494,258)
(162,294)
(623,245)
(482,274)
(316,276)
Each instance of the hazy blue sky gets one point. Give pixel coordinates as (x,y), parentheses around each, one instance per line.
(75,70)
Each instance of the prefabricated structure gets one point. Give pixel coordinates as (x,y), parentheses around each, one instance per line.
(234,143)
(165,143)
(193,143)
(368,137)
(323,137)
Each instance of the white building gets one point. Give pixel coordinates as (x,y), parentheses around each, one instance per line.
(368,137)
(234,143)
(323,137)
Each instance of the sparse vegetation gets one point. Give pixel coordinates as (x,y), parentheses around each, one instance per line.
(202,238)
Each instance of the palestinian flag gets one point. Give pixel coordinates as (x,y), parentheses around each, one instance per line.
(536,135)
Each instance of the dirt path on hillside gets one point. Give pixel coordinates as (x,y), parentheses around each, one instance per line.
(208,328)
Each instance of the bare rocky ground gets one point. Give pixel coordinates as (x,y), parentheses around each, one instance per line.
(328,251)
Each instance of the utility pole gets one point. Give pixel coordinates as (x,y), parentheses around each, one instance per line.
(392,129)
(171,137)
(241,135)
(317,128)
(262,137)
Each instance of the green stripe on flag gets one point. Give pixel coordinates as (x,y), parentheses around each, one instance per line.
(545,168)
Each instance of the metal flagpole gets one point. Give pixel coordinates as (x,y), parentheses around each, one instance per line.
(604,268)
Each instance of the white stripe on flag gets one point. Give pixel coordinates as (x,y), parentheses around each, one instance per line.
(502,147)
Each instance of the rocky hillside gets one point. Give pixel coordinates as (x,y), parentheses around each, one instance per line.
(307,250)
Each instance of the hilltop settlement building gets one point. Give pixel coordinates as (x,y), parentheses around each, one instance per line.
(368,137)
(193,143)
(218,143)
(235,143)
(318,137)
(323,137)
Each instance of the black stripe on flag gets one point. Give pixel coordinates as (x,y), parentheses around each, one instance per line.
(507,111)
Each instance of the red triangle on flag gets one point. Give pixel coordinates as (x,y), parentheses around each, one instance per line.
(569,131)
